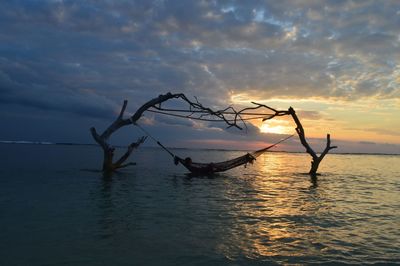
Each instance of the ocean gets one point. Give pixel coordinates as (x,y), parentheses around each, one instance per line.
(56,208)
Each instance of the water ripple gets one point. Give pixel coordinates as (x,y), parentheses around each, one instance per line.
(268,213)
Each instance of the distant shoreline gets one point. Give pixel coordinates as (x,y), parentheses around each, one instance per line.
(20,142)
(44,143)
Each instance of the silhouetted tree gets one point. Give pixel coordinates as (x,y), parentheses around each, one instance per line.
(195,110)
(316,160)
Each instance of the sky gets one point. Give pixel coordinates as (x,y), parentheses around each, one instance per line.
(68,65)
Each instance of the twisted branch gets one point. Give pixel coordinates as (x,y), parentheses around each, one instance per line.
(316,160)
(194,107)
(229,115)
(195,110)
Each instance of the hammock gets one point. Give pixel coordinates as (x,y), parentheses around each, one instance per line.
(209,168)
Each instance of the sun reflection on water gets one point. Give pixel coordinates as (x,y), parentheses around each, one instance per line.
(275,217)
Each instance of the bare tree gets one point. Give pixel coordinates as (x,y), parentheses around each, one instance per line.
(108,150)
(194,110)
(316,160)
(102,139)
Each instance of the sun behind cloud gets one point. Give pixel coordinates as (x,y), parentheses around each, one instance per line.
(276,127)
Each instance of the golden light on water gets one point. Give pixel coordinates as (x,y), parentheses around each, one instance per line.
(274,209)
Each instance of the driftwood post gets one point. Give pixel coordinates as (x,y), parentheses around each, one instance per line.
(316,160)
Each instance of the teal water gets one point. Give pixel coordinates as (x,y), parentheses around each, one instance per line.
(56,210)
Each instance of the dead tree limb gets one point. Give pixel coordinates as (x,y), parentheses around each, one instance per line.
(102,139)
(194,107)
(316,160)
(228,115)
(108,150)
(195,110)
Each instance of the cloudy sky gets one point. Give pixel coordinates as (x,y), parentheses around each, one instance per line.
(68,65)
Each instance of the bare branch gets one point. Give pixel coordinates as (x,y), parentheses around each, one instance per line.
(302,135)
(102,140)
(316,159)
(228,115)
(327,148)
(98,138)
(195,110)
(121,114)
(119,122)
(131,147)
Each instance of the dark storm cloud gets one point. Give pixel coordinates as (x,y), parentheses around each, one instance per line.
(26,92)
(206,48)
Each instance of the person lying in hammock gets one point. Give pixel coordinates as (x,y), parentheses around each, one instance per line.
(209,168)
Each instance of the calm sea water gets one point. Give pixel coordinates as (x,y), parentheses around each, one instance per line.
(55,210)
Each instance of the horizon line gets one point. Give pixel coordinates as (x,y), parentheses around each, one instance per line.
(25,142)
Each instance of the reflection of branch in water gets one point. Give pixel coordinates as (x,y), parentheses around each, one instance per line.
(314,181)
(274,217)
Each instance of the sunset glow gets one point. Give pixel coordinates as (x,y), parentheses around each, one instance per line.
(200,132)
(368,120)
(342,76)
(275,129)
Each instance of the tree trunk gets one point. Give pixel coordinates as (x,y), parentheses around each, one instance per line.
(316,160)
(108,163)
(314,167)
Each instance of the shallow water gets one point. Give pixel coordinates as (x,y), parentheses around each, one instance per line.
(55,210)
